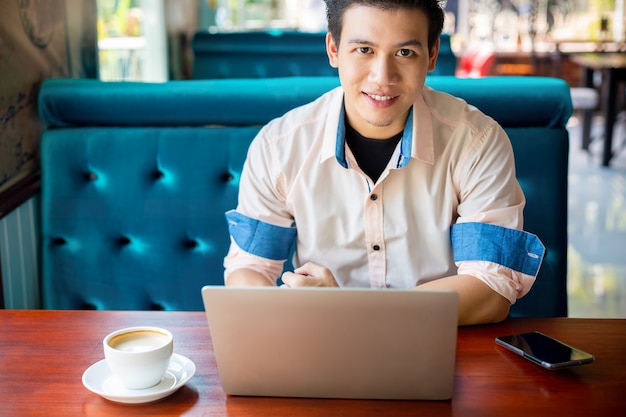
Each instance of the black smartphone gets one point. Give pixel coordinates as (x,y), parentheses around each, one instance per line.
(544,350)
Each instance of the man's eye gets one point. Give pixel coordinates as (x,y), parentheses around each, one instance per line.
(405,52)
(364,49)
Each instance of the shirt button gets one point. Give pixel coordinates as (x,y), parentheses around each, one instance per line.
(376,247)
(373,197)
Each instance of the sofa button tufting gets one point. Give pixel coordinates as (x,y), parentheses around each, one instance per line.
(123,241)
(58,241)
(157,175)
(227,176)
(191,244)
(91,176)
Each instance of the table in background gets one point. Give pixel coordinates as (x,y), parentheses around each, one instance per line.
(613,67)
(43,355)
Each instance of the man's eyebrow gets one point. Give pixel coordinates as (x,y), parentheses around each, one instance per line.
(412,42)
(361,42)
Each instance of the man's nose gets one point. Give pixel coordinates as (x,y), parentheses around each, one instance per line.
(383,71)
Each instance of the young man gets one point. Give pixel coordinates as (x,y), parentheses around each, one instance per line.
(388,183)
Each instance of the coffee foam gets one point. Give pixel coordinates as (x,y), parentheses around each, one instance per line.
(138,341)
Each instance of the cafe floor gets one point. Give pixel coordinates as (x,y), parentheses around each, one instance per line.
(597,226)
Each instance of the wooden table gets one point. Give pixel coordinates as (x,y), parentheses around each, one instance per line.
(43,355)
(613,67)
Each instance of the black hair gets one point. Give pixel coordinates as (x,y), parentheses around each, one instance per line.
(433,9)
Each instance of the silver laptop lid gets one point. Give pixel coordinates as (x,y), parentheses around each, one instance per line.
(333,343)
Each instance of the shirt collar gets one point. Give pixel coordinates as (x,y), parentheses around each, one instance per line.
(334,128)
(411,145)
(423,144)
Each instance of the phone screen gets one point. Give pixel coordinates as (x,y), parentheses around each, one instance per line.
(544,350)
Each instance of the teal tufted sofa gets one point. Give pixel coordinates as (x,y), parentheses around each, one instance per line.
(136,177)
(262,54)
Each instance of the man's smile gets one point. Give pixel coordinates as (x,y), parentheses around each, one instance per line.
(380,98)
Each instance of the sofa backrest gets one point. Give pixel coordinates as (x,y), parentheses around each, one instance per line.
(276,53)
(259,54)
(136,178)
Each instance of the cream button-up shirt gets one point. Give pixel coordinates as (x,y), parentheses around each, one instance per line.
(448,201)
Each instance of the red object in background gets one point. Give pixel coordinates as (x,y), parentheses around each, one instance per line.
(476,63)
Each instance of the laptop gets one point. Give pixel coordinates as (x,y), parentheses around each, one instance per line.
(333,342)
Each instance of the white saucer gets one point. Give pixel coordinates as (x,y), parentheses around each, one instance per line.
(98,379)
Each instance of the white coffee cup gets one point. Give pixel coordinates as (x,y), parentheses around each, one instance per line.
(138,356)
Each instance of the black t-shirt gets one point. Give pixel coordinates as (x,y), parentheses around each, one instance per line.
(372,155)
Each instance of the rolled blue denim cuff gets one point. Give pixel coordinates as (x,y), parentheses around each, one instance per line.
(260,238)
(514,249)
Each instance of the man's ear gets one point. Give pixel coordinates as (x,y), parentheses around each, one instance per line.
(434,53)
(332,50)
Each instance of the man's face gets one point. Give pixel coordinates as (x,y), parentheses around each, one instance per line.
(383,60)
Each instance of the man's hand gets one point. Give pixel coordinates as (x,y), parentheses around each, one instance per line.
(309,275)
